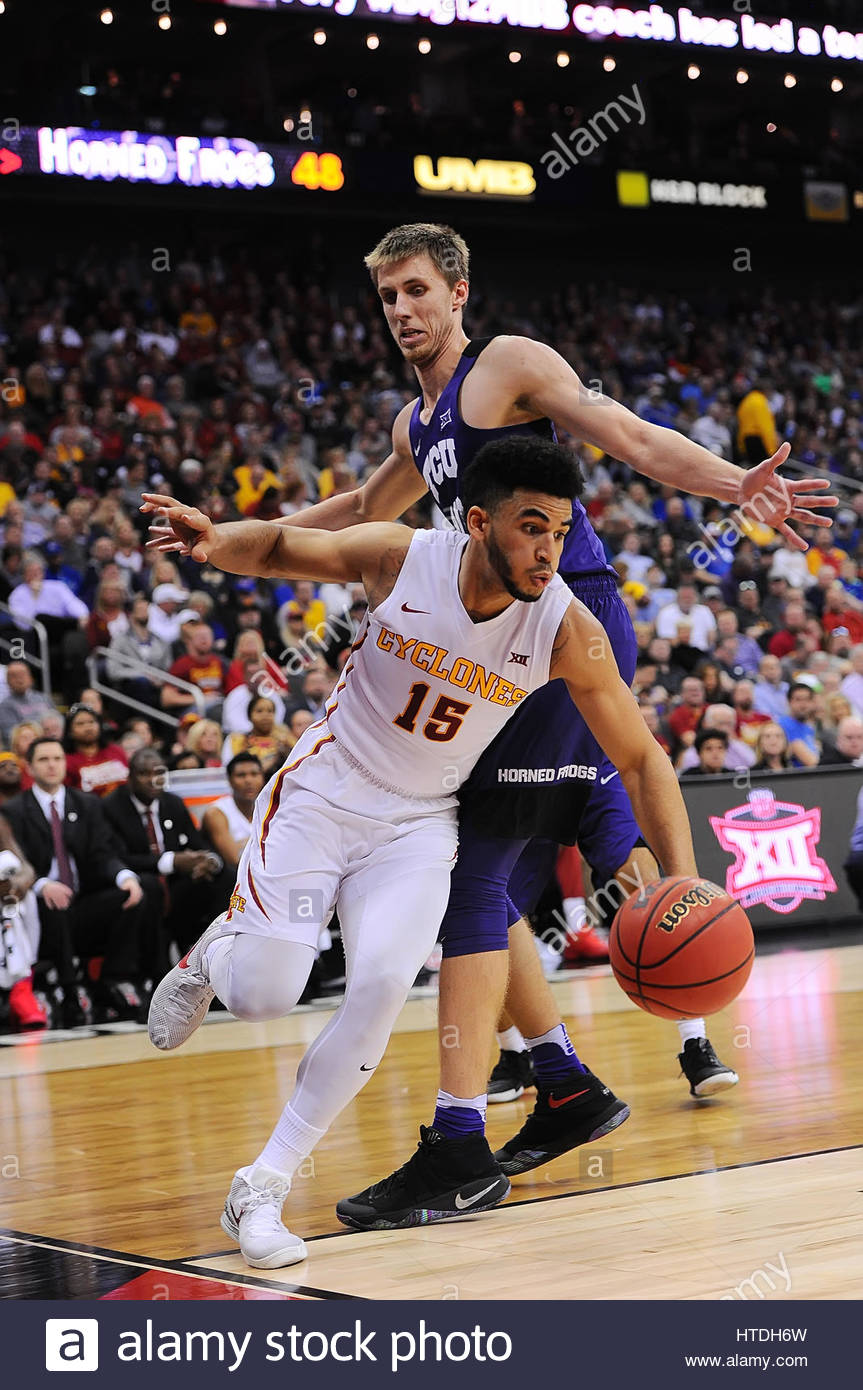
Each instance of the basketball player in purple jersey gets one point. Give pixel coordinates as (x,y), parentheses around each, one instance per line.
(473,393)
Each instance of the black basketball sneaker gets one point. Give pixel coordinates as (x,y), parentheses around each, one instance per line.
(443,1179)
(703,1070)
(564,1117)
(513,1072)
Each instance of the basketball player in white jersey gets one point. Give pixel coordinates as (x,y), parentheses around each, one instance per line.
(461,629)
(228,821)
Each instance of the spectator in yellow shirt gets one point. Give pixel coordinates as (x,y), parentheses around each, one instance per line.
(252,479)
(314,610)
(823,553)
(756,428)
(336,475)
(198,322)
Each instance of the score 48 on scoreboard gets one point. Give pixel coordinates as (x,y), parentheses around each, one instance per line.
(133,157)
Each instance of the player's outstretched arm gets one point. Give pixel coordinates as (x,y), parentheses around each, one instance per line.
(543,382)
(273,552)
(583,658)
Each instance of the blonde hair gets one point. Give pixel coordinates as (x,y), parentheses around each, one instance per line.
(15,735)
(766,728)
(243,640)
(834,703)
(444,247)
(197,731)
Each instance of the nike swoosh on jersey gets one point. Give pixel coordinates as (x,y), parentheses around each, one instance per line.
(463,1202)
(417,450)
(406,609)
(603,780)
(364,1068)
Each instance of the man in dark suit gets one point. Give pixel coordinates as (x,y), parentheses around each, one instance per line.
(90,902)
(157,836)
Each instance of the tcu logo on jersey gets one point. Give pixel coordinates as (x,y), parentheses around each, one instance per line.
(441,467)
(440,462)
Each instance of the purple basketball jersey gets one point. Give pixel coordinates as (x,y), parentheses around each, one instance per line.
(446,445)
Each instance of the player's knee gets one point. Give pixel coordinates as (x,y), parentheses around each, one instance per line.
(476,892)
(255,1002)
(385,984)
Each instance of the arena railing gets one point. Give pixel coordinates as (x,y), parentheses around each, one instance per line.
(42,662)
(135,670)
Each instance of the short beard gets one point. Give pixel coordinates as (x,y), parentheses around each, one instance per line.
(499,563)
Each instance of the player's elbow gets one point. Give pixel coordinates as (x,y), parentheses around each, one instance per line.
(362,506)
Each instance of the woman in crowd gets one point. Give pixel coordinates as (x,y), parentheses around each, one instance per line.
(93,764)
(830,710)
(205,739)
(19,743)
(109,617)
(716,684)
(267,740)
(771,749)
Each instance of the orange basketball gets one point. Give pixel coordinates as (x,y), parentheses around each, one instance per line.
(681,947)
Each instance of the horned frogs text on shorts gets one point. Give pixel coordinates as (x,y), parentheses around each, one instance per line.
(369,792)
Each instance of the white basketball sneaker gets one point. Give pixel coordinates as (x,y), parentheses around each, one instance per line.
(180,1002)
(253,1218)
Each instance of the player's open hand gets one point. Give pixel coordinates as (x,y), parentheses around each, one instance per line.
(185,530)
(767,497)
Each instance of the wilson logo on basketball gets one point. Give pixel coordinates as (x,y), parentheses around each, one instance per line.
(701,896)
(774,845)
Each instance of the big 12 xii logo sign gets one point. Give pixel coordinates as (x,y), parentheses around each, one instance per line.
(774,844)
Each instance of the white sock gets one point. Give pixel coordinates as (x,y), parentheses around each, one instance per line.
(291,1141)
(691,1028)
(511,1040)
(558,1036)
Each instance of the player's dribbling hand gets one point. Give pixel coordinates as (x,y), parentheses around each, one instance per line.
(184,529)
(769,498)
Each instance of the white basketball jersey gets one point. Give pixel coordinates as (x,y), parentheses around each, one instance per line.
(240,829)
(426,689)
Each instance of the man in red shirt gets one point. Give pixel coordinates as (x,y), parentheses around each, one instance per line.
(842,611)
(683,721)
(748,717)
(201,666)
(785,640)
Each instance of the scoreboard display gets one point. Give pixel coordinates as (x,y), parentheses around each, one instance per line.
(135,157)
(79,156)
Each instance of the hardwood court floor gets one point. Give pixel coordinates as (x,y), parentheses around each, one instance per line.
(104,1143)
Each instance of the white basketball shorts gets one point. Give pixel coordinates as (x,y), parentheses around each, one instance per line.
(324,833)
